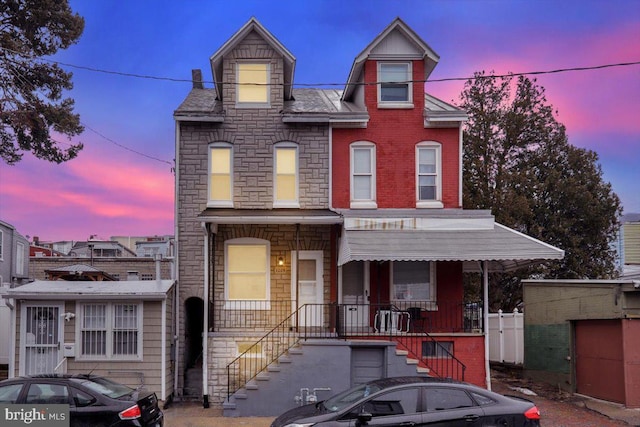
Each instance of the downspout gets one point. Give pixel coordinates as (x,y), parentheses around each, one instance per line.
(163,357)
(205,320)
(12,344)
(297,273)
(176,274)
(485,321)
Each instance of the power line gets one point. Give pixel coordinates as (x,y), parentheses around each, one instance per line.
(446,79)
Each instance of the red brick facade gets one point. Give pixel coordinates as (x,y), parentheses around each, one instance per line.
(395,133)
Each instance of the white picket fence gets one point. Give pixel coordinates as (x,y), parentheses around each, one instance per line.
(506,337)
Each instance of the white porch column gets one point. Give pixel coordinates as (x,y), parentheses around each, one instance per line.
(485,315)
(205,321)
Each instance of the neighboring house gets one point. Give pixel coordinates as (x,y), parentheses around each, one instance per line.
(118,268)
(100,249)
(628,244)
(14,256)
(582,336)
(321,238)
(120,329)
(148,246)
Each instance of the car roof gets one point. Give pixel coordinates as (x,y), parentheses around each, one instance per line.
(396,381)
(56,376)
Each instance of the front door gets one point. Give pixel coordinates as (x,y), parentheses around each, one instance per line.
(354,286)
(41,333)
(309,273)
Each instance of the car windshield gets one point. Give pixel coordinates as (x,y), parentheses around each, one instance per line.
(350,396)
(106,387)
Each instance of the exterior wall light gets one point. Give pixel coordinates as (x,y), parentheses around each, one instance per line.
(280,261)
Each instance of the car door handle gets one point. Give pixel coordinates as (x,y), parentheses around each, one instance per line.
(471,418)
(407,424)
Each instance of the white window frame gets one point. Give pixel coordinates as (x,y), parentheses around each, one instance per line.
(253,104)
(20,258)
(109,329)
(295,203)
(432,286)
(369,203)
(1,245)
(408,103)
(248,304)
(437,202)
(219,203)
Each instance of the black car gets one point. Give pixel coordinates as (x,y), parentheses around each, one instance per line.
(414,401)
(92,400)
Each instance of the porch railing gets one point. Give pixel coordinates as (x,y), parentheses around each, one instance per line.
(404,325)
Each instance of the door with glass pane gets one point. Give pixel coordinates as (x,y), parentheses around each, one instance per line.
(354,286)
(41,331)
(309,288)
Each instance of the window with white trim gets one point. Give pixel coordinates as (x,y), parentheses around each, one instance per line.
(363,175)
(247,273)
(20,259)
(395,89)
(252,88)
(220,175)
(285,165)
(413,281)
(111,331)
(428,175)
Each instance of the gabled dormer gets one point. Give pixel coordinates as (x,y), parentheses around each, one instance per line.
(253,70)
(390,71)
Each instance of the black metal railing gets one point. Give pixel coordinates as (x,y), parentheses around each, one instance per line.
(410,325)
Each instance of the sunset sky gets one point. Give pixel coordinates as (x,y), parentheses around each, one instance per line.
(122,182)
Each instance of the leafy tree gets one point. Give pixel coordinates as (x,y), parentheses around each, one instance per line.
(32,106)
(519,163)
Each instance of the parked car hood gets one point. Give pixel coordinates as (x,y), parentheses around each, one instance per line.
(310,413)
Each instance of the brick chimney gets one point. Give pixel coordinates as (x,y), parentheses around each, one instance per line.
(196,78)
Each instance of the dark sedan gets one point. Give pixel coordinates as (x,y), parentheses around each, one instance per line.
(92,400)
(414,401)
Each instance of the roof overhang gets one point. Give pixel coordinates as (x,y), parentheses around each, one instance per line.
(132,290)
(269,216)
(289,61)
(502,248)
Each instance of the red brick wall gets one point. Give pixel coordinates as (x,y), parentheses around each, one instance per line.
(395,132)
(631,348)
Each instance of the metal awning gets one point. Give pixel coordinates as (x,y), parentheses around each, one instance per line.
(269,216)
(504,249)
(133,290)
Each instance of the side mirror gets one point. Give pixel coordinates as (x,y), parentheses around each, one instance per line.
(363,418)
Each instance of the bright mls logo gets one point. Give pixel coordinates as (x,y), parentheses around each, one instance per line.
(34,415)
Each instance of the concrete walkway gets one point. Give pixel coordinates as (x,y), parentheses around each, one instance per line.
(188,414)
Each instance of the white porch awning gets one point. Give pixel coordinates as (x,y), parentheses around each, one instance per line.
(503,248)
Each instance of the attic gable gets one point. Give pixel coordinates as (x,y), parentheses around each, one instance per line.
(396,42)
(252,29)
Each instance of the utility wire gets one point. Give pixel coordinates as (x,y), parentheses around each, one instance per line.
(446,79)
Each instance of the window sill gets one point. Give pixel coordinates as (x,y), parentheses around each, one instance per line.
(252,105)
(220,204)
(395,105)
(364,205)
(245,305)
(431,204)
(294,205)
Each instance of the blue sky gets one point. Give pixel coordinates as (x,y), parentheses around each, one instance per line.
(121,184)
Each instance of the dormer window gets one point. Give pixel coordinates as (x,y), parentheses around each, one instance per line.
(395,89)
(253,90)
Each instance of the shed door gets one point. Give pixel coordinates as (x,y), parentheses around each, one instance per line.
(599,359)
(41,333)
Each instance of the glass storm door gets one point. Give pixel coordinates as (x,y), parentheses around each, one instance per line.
(310,285)
(41,332)
(355,295)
